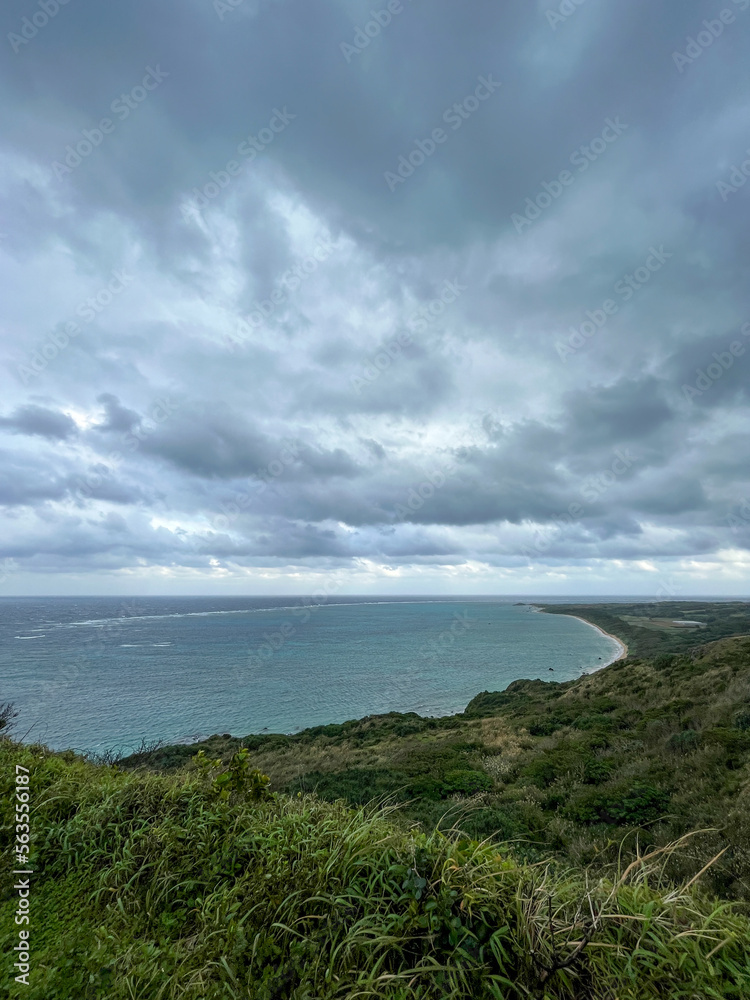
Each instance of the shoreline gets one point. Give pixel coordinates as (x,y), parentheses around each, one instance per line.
(623,646)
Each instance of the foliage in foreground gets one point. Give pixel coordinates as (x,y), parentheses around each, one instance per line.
(584,771)
(159,886)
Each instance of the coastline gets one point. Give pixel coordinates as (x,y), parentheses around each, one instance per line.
(623,646)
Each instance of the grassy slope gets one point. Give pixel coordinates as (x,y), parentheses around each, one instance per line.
(638,753)
(148,886)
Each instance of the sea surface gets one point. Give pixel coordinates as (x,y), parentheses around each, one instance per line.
(106,673)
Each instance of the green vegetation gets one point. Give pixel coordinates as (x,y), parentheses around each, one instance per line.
(160,886)
(587,840)
(649,630)
(586,772)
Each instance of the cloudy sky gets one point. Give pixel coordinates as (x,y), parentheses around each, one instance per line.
(444,298)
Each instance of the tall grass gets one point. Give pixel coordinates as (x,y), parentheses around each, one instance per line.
(151,886)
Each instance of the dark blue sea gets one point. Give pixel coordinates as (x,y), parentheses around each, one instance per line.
(100,673)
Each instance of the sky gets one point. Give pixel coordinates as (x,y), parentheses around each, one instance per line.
(355,297)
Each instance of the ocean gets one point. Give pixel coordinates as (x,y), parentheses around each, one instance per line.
(105,673)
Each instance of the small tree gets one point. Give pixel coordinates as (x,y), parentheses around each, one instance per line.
(7,715)
(238,777)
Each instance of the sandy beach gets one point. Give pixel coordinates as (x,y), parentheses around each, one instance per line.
(623,648)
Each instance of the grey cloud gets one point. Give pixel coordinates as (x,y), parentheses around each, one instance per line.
(117,417)
(31,419)
(278,422)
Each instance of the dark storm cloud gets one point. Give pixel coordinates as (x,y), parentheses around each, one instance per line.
(211,441)
(117,417)
(246,401)
(20,485)
(31,419)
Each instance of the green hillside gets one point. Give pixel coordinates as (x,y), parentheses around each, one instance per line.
(587,840)
(586,771)
(652,628)
(201,886)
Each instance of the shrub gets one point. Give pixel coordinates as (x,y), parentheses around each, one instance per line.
(594,721)
(619,805)
(541,772)
(735,744)
(7,715)
(663,661)
(597,770)
(685,742)
(545,727)
(237,778)
(467,782)
(357,785)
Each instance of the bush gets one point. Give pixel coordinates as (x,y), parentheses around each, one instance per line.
(594,721)
(735,744)
(685,742)
(572,756)
(619,805)
(664,661)
(467,782)
(7,715)
(597,770)
(545,727)
(356,785)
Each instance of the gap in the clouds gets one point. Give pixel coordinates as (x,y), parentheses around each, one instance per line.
(109,672)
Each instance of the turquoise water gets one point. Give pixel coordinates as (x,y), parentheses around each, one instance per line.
(100,673)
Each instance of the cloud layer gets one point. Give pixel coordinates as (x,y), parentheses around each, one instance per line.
(438,298)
